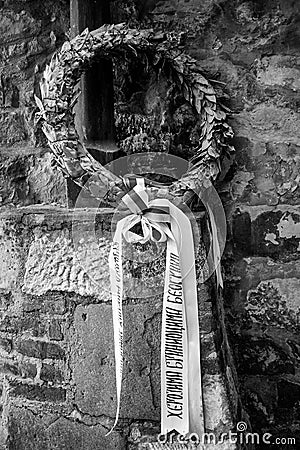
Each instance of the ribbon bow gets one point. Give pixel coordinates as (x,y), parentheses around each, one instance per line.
(181,392)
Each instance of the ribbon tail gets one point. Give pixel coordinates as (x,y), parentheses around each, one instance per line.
(216,248)
(183,234)
(116,280)
(174,349)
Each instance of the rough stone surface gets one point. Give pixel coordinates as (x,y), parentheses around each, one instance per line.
(54,265)
(10,255)
(57,340)
(267,231)
(93,362)
(52,432)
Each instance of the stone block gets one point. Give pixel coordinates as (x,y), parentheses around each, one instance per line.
(267,231)
(278,70)
(55,331)
(54,265)
(30,323)
(40,349)
(30,178)
(13,129)
(38,393)
(52,432)
(50,374)
(260,396)
(93,365)
(5,344)
(217,413)
(261,356)
(52,303)
(9,368)
(27,369)
(11,256)
(18,369)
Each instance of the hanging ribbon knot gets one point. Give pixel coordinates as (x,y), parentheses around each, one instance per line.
(153,220)
(161,221)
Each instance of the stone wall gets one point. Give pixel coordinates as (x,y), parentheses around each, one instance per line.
(56,344)
(253,47)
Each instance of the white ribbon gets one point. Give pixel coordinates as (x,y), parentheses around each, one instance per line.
(181,392)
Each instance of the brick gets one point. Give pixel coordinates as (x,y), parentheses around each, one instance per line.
(53,351)
(9,368)
(20,369)
(38,393)
(53,303)
(55,332)
(27,370)
(28,322)
(40,349)
(6,344)
(50,373)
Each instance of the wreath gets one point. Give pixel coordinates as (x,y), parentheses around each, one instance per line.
(59,93)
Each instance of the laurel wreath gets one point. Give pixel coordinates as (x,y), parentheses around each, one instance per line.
(59,93)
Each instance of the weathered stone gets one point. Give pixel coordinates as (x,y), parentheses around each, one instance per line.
(279,70)
(260,396)
(11,255)
(46,184)
(40,349)
(38,393)
(27,369)
(53,303)
(50,373)
(13,129)
(249,272)
(267,231)
(51,432)
(288,392)
(53,265)
(262,356)
(30,178)
(216,409)
(93,362)
(5,345)
(55,332)
(30,322)
(9,367)
(69,435)
(275,303)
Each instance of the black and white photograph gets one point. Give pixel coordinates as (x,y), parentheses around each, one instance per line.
(149,224)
